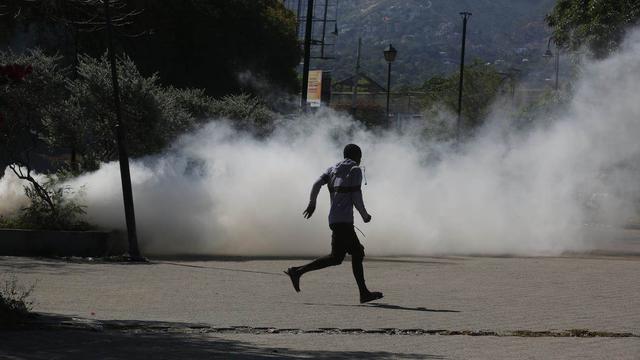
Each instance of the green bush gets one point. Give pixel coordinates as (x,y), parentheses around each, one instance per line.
(65,214)
(9,222)
(544,110)
(50,205)
(246,111)
(15,305)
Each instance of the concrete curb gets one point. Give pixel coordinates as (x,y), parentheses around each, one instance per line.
(17,242)
(58,322)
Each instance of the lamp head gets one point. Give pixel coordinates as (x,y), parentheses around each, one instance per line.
(390,53)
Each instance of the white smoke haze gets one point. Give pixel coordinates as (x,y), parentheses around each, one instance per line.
(12,197)
(219,191)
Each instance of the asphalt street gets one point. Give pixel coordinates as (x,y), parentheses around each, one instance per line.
(581,306)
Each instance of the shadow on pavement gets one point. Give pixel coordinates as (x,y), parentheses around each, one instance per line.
(26,265)
(398,307)
(59,265)
(449,260)
(388,306)
(83,344)
(229,258)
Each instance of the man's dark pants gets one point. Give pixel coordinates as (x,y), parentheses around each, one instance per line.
(343,241)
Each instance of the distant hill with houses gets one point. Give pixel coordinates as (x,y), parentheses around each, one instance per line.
(427,34)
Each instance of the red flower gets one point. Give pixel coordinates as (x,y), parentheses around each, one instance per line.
(16,72)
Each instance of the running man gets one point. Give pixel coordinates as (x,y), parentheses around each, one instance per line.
(343,180)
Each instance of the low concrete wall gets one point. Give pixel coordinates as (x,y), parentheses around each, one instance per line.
(14,242)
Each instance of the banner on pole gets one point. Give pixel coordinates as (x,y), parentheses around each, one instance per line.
(314,88)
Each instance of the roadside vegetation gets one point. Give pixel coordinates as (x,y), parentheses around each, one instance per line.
(15,302)
(62,117)
(57,116)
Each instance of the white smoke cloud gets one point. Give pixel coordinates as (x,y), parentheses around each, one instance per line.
(12,197)
(219,191)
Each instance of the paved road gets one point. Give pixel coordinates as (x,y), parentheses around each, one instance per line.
(492,298)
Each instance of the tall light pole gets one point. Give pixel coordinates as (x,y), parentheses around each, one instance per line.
(307,54)
(123,156)
(390,55)
(549,54)
(465,16)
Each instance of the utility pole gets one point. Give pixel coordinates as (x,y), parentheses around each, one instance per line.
(123,156)
(356,80)
(557,65)
(465,16)
(324,27)
(307,54)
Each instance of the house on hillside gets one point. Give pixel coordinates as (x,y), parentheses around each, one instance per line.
(365,85)
(366,99)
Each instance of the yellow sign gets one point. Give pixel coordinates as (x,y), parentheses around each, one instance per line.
(314,88)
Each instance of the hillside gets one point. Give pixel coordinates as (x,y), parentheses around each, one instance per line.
(427,35)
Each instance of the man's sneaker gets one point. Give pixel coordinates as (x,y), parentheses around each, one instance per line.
(370,296)
(295,278)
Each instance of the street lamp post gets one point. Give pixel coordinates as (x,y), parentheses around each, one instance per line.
(465,17)
(390,55)
(549,54)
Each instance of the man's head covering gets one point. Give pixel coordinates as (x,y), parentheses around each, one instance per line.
(353,152)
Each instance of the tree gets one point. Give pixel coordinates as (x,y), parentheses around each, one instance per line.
(32,94)
(482,85)
(45,111)
(153,115)
(189,43)
(600,25)
(207,44)
(61,25)
(32,87)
